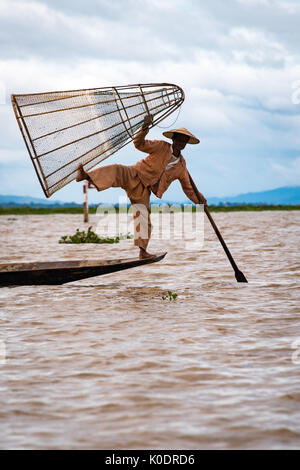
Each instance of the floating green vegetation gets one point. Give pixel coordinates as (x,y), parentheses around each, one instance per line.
(170,296)
(92,237)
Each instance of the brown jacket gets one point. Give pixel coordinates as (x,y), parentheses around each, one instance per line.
(151,169)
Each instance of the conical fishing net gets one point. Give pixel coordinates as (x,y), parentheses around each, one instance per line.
(62,129)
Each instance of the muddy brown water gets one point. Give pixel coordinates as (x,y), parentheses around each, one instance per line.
(106,363)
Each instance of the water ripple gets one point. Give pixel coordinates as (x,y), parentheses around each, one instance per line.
(107,363)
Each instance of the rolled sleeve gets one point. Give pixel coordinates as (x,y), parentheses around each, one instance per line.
(147,146)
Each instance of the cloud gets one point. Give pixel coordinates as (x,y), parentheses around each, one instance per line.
(237,62)
(149,30)
(290,173)
(137,32)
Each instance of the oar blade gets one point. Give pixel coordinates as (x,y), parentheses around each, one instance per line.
(240,276)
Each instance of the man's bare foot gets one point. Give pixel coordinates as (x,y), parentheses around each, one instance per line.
(144,254)
(81,174)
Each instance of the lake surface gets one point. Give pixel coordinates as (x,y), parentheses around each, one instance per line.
(107,363)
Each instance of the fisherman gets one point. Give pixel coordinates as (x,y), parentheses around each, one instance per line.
(155,173)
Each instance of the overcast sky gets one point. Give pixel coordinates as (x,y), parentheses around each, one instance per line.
(238,62)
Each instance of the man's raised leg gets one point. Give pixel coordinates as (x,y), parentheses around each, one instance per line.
(142,228)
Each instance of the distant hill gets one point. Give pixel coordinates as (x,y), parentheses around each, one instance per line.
(288,195)
(15,201)
(285,195)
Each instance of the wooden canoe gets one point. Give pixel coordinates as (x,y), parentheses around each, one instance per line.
(61,272)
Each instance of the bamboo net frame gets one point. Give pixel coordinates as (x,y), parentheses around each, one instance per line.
(64,128)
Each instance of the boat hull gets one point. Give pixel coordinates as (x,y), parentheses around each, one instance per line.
(62,272)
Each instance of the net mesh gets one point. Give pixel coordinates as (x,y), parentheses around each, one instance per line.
(63,129)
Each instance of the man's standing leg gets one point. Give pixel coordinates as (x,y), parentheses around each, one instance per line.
(142,222)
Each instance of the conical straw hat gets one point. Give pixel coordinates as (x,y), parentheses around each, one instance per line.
(182,130)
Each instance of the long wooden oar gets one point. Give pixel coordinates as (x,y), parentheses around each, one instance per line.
(238,274)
